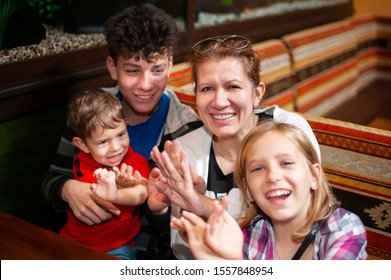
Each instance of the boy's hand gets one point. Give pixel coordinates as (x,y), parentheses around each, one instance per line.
(127,177)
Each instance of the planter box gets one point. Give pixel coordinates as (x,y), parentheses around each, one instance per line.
(32,85)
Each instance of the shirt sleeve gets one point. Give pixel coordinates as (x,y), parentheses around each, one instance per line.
(347,240)
(59,172)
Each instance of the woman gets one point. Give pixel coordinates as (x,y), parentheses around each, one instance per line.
(228,93)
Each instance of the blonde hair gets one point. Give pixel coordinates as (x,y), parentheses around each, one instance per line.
(322,199)
(92,108)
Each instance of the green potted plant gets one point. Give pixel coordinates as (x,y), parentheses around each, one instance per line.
(21,24)
(7,8)
(51,11)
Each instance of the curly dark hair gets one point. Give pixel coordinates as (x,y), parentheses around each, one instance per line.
(144,32)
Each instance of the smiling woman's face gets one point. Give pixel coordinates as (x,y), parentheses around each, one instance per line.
(225,97)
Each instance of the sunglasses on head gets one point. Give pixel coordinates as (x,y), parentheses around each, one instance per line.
(230,41)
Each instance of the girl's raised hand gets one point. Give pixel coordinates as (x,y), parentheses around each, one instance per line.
(222,232)
(193,226)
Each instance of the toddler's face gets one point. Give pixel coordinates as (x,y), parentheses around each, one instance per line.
(109,146)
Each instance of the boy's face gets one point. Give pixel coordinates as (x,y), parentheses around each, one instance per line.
(108,146)
(141,84)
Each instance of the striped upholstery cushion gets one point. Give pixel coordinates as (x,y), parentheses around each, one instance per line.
(275,73)
(373,39)
(324,66)
(357,162)
(180,82)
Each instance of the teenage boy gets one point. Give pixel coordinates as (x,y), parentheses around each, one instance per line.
(141,41)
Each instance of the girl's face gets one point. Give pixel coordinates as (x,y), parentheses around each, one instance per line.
(279,179)
(108,146)
(225,97)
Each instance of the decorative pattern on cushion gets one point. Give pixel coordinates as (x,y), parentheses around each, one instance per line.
(357,162)
(180,81)
(324,66)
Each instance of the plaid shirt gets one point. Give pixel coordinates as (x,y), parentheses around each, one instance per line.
(342,236)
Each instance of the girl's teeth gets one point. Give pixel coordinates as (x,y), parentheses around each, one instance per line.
(279,193)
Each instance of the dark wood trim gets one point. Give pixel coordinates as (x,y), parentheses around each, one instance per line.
(40,83)
(51,65)
(45,95)
(44,81)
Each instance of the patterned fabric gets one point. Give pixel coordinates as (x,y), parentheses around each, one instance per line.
(356,160)
(324,66)
(276,73)
(373,36)
(341,236)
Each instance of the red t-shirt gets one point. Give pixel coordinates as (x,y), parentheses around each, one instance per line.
(119,230)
